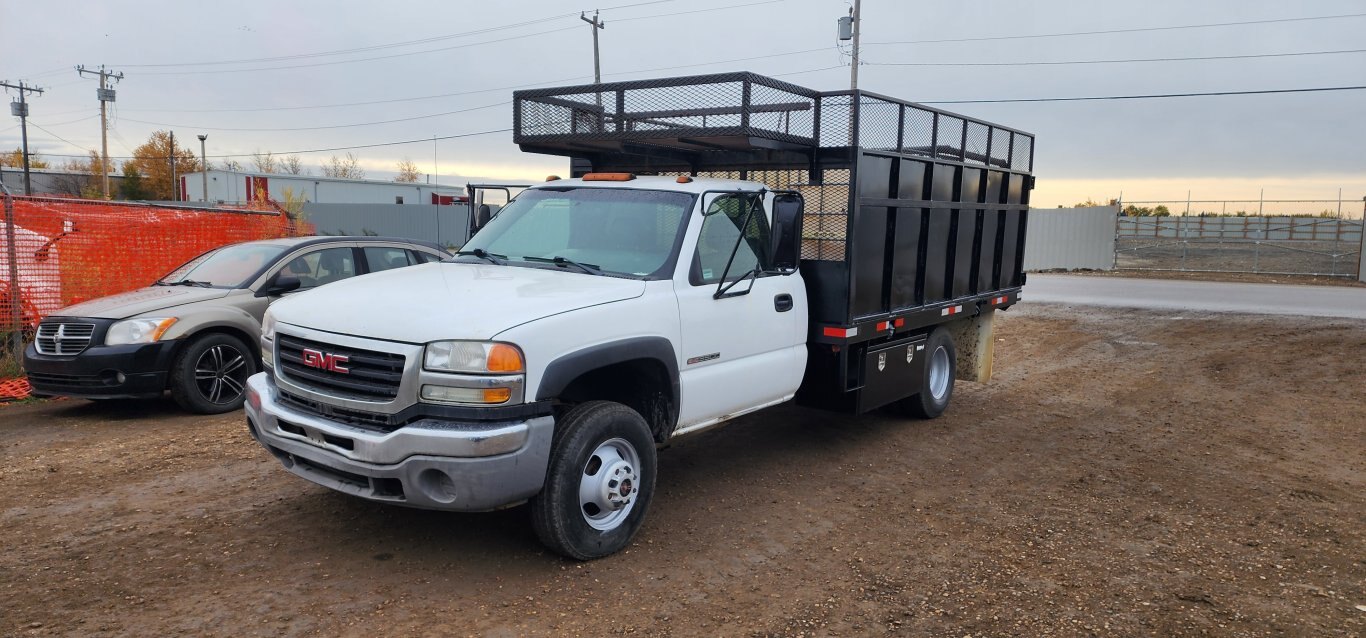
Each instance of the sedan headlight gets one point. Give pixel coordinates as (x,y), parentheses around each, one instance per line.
(268,326)
(473,357)
(141,330)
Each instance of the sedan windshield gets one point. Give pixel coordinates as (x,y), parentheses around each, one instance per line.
(226,267)
(614,231)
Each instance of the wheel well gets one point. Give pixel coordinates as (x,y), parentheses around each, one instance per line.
(252,346)
(640,384)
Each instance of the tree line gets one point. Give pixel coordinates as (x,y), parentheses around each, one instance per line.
(147,175)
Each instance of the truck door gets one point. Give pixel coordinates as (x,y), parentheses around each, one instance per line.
(746,348)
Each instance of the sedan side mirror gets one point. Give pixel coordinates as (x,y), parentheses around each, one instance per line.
(787,230)
(282,284)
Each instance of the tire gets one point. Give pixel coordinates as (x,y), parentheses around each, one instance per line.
(209,375)
(601,449)
(936,385)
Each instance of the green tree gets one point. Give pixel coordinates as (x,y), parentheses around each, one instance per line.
(132,187)
(1161,211)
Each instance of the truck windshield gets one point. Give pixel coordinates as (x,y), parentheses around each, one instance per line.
(614,231)
(227,267)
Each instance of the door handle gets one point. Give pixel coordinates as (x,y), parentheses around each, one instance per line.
(782,303)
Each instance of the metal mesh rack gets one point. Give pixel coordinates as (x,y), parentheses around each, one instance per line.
(744,120)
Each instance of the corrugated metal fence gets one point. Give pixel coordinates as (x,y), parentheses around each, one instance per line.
(446,225)
(1071,238)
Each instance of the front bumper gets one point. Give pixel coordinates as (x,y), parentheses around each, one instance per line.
(430,463)
(96,372)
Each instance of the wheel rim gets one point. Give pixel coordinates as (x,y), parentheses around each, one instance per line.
(939,373)
(221,374)
(608,484)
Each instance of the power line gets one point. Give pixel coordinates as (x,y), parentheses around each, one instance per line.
(1122,61)
(390,45)
(1135,30)
(1148,97)
(707,10)
(319,128)
(423,140)
(370,59)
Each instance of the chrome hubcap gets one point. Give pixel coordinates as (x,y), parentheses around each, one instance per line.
(609,484)
(939,373)
(221,374)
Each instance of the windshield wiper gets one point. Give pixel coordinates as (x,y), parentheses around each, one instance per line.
(561,261)
(186,282)
(492,258)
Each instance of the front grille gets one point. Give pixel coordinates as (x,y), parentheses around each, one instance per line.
(359,418)
(368,375)
(63,339)
(48,380)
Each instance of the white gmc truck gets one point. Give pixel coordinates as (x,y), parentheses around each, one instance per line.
(594,319)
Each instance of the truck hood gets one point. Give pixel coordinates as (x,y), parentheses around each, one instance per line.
(141,301)
(433,302)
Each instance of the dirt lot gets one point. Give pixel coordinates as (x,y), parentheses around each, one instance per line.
(1308,258)
(1125,474)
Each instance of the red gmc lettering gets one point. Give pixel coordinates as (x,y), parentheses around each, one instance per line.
(325,361)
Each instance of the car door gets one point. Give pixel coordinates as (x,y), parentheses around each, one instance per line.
(745,349)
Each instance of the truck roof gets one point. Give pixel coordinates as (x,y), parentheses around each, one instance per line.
(696,186)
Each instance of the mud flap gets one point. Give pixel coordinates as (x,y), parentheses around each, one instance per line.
(974,339)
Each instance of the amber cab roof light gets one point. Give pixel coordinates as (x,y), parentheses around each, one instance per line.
(608,177)
(552,178)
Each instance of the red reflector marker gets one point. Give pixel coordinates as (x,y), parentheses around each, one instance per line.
(900,322)
(951,310)
(839,333)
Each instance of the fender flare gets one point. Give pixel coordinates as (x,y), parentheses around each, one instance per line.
(562,371)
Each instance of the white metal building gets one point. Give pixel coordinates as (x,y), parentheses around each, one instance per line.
(238,187)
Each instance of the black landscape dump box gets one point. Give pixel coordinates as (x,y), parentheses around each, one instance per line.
(914,216)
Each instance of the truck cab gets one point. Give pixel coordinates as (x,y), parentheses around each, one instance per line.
(593,319)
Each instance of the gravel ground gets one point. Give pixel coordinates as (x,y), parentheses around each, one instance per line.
(1126,474)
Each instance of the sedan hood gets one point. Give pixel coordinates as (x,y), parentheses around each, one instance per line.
(141,301)
(433,302)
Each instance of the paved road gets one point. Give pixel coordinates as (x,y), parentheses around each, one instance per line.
(1265,299)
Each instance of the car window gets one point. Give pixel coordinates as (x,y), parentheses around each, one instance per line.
(386,258)
(322,267)
(720,230)
(420,257)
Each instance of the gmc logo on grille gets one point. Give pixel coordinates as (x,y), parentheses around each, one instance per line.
(325,361)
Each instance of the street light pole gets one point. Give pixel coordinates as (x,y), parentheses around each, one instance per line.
(204,166)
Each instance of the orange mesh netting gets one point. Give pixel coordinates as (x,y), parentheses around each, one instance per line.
(68,251)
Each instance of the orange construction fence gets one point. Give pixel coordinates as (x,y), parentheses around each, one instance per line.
(67,251)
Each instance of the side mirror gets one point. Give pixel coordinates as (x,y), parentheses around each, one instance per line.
(283,283)
(787,230)
(483,216)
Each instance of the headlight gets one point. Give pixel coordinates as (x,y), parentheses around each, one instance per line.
(268,326)
(474,357)
(143,330)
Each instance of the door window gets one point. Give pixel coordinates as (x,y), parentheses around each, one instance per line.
(385,258)
(323,267)
(728,220)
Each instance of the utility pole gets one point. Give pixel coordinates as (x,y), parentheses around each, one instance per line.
(105,95)
(175,186)
(20,110)
(853,68)
(597,24)
(204,166)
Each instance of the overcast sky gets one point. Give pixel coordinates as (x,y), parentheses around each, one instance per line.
(1304,145)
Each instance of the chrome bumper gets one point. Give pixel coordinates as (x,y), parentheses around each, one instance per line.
(430,463)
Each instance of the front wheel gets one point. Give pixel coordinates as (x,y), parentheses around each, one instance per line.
(936,387)
(209,375)
(599,483)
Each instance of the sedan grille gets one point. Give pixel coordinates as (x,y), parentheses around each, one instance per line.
(340,370)
(63,339)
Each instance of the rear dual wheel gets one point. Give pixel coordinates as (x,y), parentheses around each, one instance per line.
(936,387)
